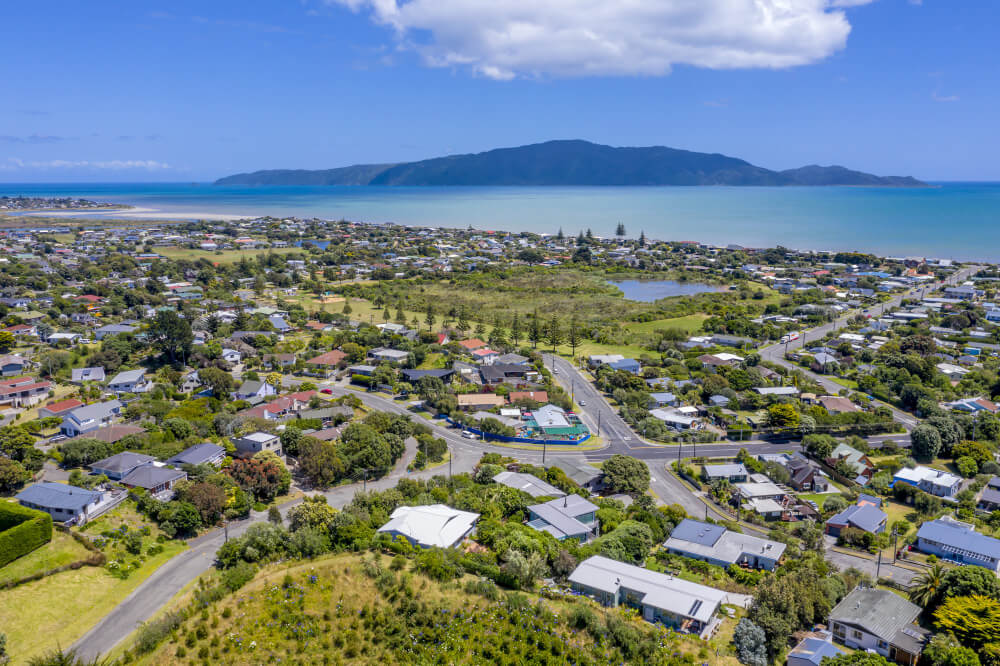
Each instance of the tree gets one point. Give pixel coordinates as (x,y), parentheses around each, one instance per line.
(751,643)
(944,650)
(927,586)
(782,415)
(208,498)
(219,381)
(171,334)
(620,230)
(320,462)
(262,477)
(274,379)
(314,512)
(515,329)
(7,340)
(12,475)
(926,441)
(553,332)
(819,446)
(975,621)
(968,582)
(534,330)
(81,452)
(573,335)
(626,474)
(429,318)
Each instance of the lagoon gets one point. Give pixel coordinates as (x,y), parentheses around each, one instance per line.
(647,291)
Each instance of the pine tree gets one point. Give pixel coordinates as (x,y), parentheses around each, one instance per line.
(642,239)
(400,315)
(429,318)
(553,332)
(573,337)
(535,330)
(560,235)
(463,320)
(580,240)
(620,231)
(386,315)
(515,329)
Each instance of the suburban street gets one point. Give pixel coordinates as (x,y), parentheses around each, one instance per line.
(166,582)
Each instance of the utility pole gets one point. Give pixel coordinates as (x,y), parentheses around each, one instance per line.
(878,566)
(225,526)
(894,548)
(544,447)
(364,487)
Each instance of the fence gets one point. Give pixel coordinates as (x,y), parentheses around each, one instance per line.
(520,440)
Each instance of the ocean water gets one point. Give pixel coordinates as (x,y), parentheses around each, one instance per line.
(950,220)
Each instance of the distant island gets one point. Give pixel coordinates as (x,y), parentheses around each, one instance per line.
(571,163)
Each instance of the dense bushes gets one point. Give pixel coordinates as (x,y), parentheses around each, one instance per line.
(22,530)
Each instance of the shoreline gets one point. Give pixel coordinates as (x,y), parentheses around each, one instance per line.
(717,227)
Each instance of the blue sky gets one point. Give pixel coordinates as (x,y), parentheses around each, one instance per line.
(190,91)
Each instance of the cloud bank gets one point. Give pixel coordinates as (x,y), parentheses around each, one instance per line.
(503,39)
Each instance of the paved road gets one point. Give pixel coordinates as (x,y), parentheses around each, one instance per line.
(776,352)
(844,560)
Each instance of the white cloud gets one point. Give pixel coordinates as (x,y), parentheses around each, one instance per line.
(14,163)
(944,98)
(503,39)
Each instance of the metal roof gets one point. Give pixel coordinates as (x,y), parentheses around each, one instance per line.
(528,483)
(959,535)
(431,525)
(122,462)
(695,531)
(197,454)
(680,597)
(879,612)
(814,650)
(862,516)
(562,515)
(58,496)
(151,476)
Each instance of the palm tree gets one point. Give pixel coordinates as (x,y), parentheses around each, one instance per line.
(927,585)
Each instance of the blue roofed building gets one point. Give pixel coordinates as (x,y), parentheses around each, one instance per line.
(717,545)
(812,652)
(956,541)
(65,503)
(863,516)
(626,364)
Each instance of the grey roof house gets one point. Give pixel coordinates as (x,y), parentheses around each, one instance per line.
(90,417)
(567,517)
(205,453)
(717,545)
(677,603)
(881,621)
(959,542)
(528,483)
(153,478)
(120,465)
(81,375)
(130,381)
(63,502)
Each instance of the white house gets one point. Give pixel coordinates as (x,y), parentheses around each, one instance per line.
(90,417)
(431,525)
(130,381)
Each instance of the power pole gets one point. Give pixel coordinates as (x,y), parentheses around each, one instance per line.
(544,447)
(878,566)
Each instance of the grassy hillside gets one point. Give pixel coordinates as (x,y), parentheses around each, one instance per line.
(345,609)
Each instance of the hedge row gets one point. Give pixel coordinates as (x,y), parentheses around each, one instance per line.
(22,530)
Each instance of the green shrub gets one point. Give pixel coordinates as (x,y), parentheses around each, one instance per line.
(22,530)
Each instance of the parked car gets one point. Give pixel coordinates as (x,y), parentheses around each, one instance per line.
(328,391)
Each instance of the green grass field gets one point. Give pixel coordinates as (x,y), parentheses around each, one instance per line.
(690,324)
(62,550)
(225,257)
(57,610)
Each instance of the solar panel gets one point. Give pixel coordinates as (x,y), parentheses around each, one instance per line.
(694,608)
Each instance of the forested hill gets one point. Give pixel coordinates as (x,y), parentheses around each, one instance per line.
(572,163)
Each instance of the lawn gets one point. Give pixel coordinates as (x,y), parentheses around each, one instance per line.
(690,324)
(57,610)
(62,550)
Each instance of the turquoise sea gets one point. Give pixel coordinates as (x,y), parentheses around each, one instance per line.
(950,220)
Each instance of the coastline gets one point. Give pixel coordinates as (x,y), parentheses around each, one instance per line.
(949,221)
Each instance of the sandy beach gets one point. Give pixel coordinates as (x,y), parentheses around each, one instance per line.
(141,214)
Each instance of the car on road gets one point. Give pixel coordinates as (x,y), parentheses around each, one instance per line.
(56,438)
(469,434)
(583,403)
(328,391)
(555,371)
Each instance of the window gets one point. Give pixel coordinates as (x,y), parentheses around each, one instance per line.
(856,634)
(883,645)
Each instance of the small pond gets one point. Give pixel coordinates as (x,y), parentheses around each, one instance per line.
(648,291)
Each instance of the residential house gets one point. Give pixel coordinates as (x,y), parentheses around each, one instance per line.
(629,365)
(532,396)
(933,481)
(567,517)
(765,499)
(734,473)
(528,483)
(863,515)
(471,345)
(90,417)
(65,503)
(256,442)
(584,475)
(880,621)
(23,391)
(12,364)
(60,409)
(414,376)
(952,371)
(717,545)
(81,375)
(711,362)
(805,476)
(959,542)
(837,405)
(205,453)
(155,479)
(254,389)
(112,329)
(479,400)
(120,465)
(989,498)
(231,356)
(111,433)
(676,419)
(386,355)
(279,361)
(672,601)
(326,364)
(663,399)
(434,525)
(130,381)
(856,461)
